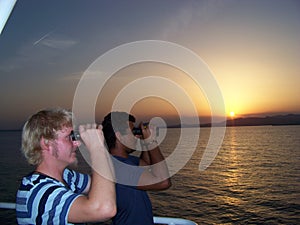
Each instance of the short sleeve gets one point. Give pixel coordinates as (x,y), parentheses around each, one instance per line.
(77,181)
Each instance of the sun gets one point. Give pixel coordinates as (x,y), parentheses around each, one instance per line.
(232,114)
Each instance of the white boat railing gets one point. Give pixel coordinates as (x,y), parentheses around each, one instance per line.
(7,205)
(157,219)
(172,221)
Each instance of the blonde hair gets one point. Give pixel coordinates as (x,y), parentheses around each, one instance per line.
(44,123)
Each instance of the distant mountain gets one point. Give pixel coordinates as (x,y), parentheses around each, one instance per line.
(290,119)
(278,120)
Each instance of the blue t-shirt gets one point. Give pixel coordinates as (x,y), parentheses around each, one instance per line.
(133,205)
(44,200)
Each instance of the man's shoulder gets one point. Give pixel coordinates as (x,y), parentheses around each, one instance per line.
(39,195)
(36,180)
(131,160)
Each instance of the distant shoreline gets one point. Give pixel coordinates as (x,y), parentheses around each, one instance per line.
(12,130)
(278,120)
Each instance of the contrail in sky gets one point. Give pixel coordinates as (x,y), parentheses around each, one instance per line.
(42,38)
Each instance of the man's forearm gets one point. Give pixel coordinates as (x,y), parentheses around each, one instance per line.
(157,162)
(102,184)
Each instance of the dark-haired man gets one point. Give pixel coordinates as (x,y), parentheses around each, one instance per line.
(135,175)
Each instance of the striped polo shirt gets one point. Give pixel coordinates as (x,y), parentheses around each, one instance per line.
(44,200)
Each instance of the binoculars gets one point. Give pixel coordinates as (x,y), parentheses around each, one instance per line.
(138,130)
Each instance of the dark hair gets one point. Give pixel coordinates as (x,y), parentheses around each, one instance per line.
(113,122)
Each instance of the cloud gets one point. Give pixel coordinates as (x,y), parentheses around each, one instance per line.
(193,16)
(76,76)
(56,42)
(44,50)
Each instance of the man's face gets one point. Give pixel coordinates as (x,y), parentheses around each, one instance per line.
(63,148)
(129,140)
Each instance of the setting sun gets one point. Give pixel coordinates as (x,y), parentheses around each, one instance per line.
(232,114)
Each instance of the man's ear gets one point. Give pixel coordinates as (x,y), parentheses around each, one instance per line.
(44,143)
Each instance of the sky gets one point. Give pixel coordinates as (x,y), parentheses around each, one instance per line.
(251,48)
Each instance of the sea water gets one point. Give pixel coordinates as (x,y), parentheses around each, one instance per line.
(254,179)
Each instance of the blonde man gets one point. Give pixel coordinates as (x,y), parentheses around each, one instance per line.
(54,194)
